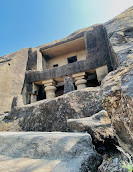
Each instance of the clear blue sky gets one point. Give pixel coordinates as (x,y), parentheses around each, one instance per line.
(30,23)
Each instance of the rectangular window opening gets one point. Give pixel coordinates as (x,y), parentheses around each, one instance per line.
(72,59)
(55,65)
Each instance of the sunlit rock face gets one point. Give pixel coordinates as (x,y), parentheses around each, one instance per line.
(12,75)
(25,73)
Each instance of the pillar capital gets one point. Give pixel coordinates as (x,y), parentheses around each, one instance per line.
(80,75)
(80,80)
(49,82)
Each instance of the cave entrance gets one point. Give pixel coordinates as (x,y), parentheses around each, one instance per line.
(59,91)
(93,82)
(91,78)
(41,93)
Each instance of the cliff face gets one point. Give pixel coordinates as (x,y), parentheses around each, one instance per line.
(12,74)
(13,66)
(120,33)
(117,87)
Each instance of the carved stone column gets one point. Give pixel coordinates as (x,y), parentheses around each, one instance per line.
(80,80)
(49,88)
(33,98)
(34,93)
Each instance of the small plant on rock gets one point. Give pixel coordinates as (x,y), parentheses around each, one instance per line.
(126,164)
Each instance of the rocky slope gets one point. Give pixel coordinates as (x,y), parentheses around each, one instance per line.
(117,87)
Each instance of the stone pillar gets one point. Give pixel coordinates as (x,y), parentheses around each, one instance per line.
(49,88)
(101,72)
(81,83)
(34,93)
(33,98)
(80,80)
(39,60)
(68,85)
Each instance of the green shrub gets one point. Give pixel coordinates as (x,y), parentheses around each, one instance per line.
(126,164)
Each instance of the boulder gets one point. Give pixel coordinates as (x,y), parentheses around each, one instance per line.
(98,126)
(50,152)
(52,114)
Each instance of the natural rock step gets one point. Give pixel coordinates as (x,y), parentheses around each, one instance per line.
(97,125)
(47,152)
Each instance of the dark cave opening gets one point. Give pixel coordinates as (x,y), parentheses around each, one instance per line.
(41,93)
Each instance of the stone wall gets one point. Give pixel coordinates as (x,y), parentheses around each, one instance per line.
(62,60)
(97,46)
(32,59)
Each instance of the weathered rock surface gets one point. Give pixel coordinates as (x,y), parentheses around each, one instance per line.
(12,75)
(120,35)
(113,162)
(98,126)
(50,152)
(52,114)
(117,87)
(118,101)
(17,101)
(10,125)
